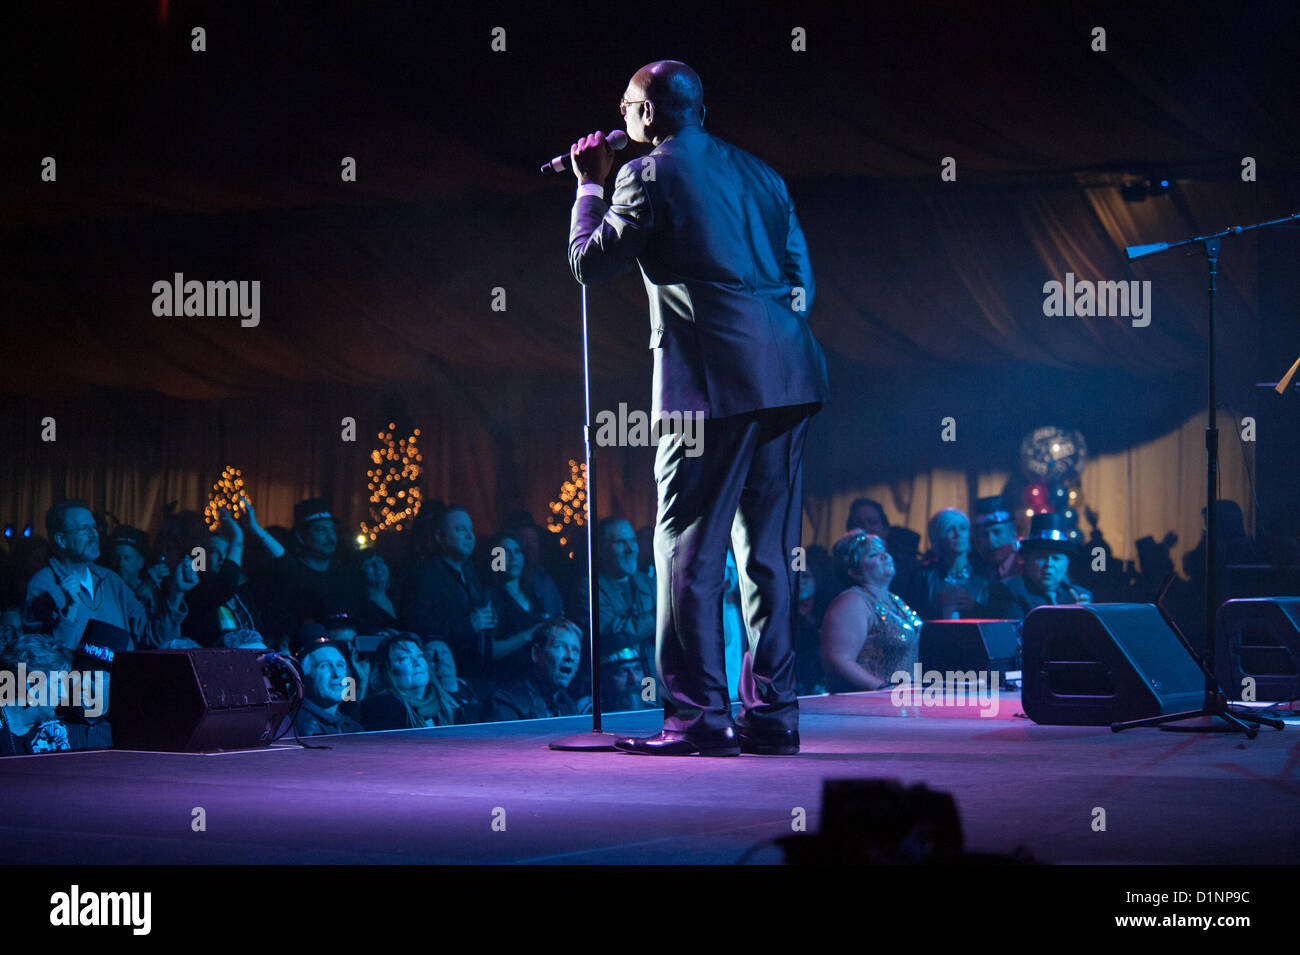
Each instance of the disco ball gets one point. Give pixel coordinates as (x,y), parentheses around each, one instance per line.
(1049,454)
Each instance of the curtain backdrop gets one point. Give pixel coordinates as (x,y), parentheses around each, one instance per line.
(1148,490)
(433,291)
(131,459)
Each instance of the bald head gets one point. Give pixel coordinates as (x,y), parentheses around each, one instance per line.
(676,92)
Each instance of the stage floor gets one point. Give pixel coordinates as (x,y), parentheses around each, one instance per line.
(432,796)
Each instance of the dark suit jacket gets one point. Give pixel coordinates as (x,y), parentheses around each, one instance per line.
(929,581)
(523,700)
(299,594)
(626,619)
(1010,599)
(726,269)
(439,607)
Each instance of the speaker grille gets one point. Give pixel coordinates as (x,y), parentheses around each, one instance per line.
(190,700)
(1104,663)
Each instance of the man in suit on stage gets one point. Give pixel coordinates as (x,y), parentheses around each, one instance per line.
(730,285)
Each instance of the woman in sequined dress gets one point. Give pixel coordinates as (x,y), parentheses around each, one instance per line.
(868,633)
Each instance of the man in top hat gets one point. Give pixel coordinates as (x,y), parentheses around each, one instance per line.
(310,582)
(995,539)
(1046,552)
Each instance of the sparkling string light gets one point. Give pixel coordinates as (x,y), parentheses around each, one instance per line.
(394,483)
(225,496)
(571,508)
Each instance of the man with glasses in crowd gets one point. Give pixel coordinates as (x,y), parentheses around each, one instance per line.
(68,593)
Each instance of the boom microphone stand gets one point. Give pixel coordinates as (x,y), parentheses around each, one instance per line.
(1216,701)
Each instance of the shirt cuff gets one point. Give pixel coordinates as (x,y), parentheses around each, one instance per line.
(592,189)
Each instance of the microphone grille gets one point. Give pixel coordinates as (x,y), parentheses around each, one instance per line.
(616,139)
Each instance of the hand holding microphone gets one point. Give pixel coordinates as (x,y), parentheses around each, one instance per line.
(591,157)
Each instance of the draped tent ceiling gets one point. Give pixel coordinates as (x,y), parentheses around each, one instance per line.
(377,295)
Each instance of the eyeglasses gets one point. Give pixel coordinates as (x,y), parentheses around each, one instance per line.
(623,104)
(79,531)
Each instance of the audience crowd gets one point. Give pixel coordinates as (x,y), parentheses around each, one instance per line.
(450,631)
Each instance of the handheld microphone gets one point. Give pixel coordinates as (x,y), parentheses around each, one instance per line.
(614,140)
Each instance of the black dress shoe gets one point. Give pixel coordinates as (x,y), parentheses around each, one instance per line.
(783,743)
(673,743)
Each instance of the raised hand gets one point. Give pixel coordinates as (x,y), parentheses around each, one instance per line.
(184,577)
(70,586)
(236,532)
(157,573)
(247,505)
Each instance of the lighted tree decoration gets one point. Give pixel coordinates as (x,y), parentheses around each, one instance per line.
(225,496)
(394,483)
(571,508)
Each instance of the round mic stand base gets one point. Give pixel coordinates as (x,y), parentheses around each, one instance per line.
(590,742)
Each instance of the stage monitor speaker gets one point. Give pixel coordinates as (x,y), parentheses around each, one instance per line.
(189,701)
(962,645)
(1097,664)
(1260,639)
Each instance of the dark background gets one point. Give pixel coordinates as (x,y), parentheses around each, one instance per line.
(376,294)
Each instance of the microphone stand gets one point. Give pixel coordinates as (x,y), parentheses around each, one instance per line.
(595,741)
(1216,701)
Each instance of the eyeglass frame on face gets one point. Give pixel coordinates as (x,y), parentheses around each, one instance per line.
(80,531)
(624,103)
